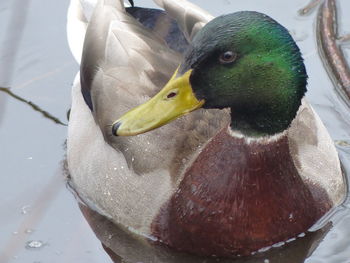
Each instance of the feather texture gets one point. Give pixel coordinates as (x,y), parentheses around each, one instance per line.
(125,67)
(123,64)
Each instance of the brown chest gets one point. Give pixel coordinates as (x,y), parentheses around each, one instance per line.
(237,198)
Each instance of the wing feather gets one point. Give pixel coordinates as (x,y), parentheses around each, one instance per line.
(190,17)
(125,67)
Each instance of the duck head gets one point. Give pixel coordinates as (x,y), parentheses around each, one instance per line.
(244,61)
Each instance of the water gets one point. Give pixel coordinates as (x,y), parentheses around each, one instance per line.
(35,244)
(37,65)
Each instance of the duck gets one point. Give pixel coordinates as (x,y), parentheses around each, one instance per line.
(193,132)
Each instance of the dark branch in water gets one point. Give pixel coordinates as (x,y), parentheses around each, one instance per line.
(34,106)
(331,52)
(309,8)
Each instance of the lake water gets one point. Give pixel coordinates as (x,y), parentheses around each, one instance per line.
(40,219)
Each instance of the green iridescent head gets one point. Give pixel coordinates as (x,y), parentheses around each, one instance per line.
(250,63)
(245,61)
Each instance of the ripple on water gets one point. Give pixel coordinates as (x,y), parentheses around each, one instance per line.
(335,247)
(34,244)
(28,231)
(25,209)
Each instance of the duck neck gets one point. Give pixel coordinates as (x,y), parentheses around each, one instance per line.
(262,121)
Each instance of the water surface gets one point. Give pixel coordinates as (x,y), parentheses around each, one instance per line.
(35,62)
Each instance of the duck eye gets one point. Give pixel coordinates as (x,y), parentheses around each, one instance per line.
(227,57)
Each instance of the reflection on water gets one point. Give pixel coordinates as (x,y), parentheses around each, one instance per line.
(330,50)
(309,7)
(33,106)
(121,244)
(37,210)
(9,49)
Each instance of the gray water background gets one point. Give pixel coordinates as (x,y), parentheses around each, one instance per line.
(36,63)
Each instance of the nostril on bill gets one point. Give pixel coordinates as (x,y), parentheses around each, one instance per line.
(171,95)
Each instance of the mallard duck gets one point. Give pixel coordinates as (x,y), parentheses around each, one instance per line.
(248,164)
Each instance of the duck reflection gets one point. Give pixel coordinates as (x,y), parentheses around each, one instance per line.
(123,246)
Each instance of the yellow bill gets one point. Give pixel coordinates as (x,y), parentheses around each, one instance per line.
(174,100)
